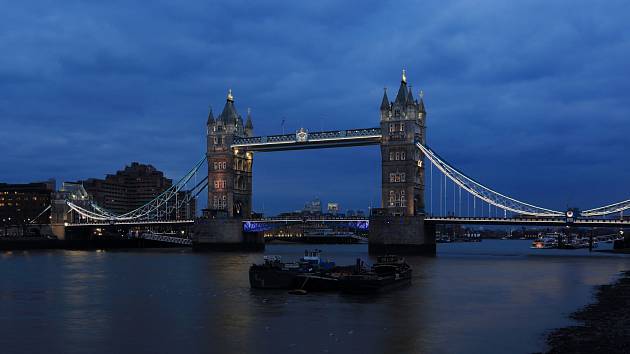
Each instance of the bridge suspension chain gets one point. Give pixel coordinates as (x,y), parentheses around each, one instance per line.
(482,192)
(153,208)
(607,209)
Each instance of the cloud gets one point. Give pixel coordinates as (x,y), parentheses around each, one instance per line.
(530,98)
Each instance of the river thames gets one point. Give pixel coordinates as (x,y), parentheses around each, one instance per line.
(491,297)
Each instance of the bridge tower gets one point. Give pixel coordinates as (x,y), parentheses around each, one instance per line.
(229,184)
(398,226)
(229,171)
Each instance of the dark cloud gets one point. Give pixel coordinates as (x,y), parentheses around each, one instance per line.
(530,98)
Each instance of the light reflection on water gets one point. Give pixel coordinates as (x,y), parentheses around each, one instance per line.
(496,296)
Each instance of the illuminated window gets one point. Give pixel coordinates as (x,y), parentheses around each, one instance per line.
(391,156)
(402,155)
(402,177)
(392,128)
(402,127)
(397,156)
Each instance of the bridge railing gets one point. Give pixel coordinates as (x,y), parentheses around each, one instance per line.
(314,136)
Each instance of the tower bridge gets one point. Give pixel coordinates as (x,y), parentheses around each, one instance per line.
(405,222)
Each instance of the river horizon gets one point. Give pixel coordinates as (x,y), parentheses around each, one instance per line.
(495,296)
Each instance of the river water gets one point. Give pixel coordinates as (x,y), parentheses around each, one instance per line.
(489,297)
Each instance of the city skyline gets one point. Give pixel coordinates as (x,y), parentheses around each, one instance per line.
(537,111)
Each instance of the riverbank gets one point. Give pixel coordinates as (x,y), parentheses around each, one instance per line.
(603,326)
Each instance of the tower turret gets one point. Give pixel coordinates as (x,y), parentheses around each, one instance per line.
(249,126)
(210,122)
(385,106)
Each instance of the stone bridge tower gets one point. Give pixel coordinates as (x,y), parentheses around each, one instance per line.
(229,171)
(402,124)
(229,185)
(398,226)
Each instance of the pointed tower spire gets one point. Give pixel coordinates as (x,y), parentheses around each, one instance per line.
(401,96)
(210,117)
(385,102)
(249,124)
(410,96)
(421,102)
(229,114)
(229,96)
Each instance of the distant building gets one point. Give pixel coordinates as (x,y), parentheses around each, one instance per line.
(313,207)
(333,208)
(21,203)
(131,188)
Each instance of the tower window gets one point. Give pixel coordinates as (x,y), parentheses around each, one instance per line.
(219,183)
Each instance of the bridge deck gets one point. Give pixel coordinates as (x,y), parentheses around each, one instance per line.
(315,140)
(432,219)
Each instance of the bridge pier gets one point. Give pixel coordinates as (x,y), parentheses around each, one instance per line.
(224,234)
(401,235)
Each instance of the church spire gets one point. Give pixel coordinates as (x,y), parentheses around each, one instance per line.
(385,102)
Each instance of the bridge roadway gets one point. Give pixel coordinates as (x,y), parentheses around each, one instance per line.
(132,223)
(304,140)
(442,220)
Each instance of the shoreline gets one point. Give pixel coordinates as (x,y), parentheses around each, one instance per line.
(603,326)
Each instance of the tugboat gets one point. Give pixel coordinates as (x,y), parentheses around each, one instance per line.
(275,274)
(387,273)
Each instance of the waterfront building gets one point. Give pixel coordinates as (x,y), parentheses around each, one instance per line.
(21,203)
(131,188)
(313,207)
(333,208)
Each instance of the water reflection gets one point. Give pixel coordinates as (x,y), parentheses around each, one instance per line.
(165,301)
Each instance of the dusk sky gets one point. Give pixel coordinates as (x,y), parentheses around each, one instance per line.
(531,98)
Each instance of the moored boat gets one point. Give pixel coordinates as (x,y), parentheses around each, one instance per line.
(275,274)
(387,273)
